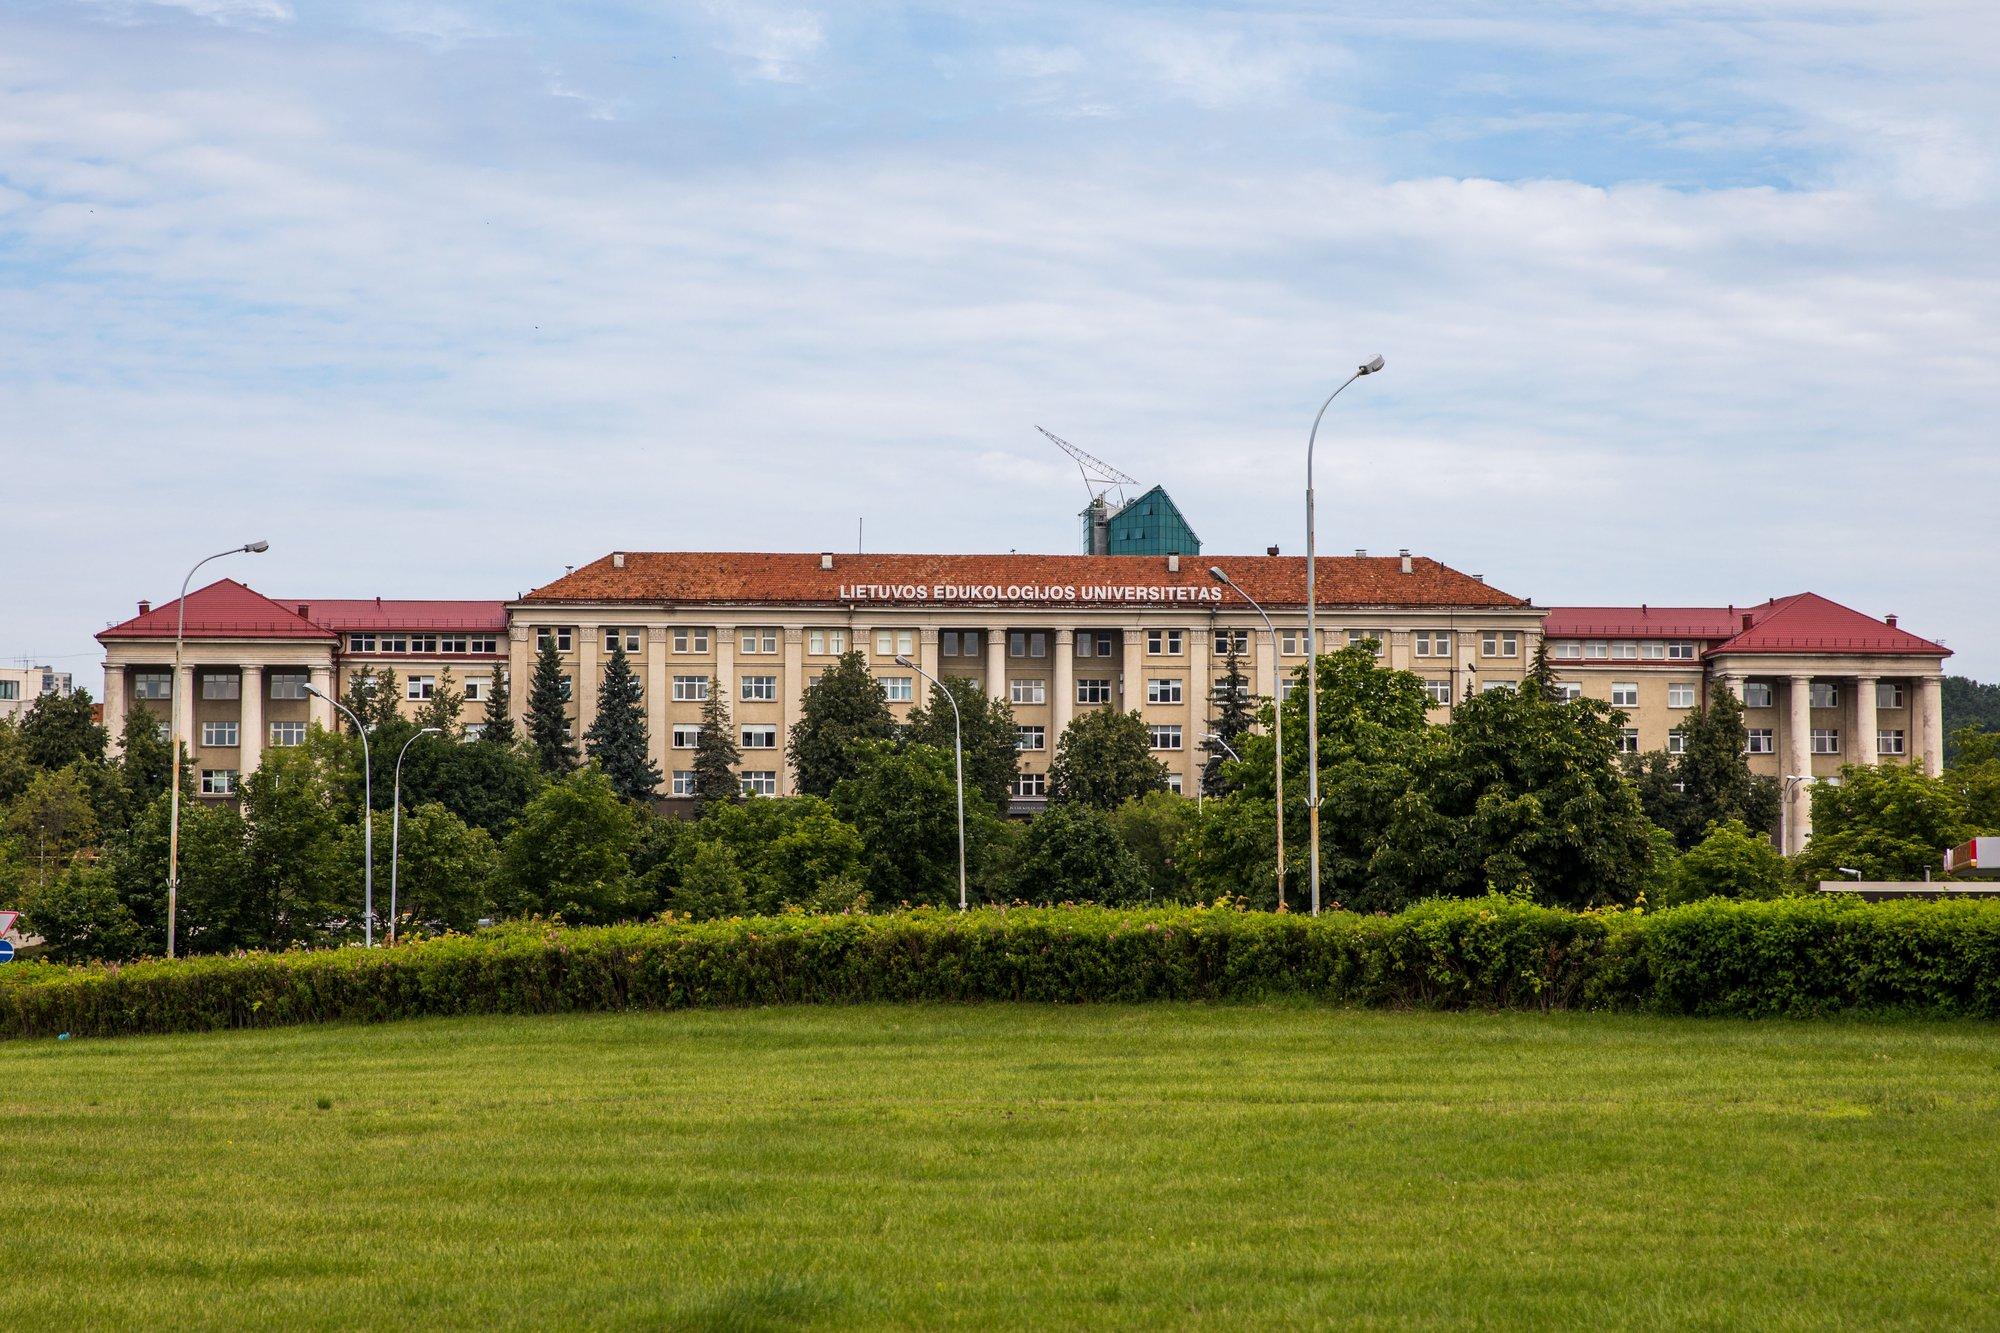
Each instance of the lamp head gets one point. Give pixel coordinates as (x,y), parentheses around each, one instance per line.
(904,661)
(1215,572)
(430,731)
(1371,366)
(257,548)
(314,690)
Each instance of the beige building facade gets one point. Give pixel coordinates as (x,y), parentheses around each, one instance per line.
(21,686)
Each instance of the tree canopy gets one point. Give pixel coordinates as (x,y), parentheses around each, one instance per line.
(1104,758)
(838,714)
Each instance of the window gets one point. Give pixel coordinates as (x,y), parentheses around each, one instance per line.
(686,735)
(1231,640)
(10,689)
(1163,642)
(1653,650)
(218,733)
(759,782)
(1596,650)
(615,638)
(959,643)
(1567,650)
(1628,741)
(1825,694)
(1222,688)
(1093,691)
(1438,692)
(1166,737)
(474,730)
(1031,784)
(1163,691)
(763,639)
(419,687)
(1030,691)
(1762,741)
(1757,694)
(683,782)
(152,685)
(1027,643)
(1889,742)
(1031,738)
(760,736)
(760,689)
(544,636)
(1174,783)
(1568,690)
(1680,651)
(1377,636)
(826,642)
(222,685)
(1625,650)
(1680,696)
(480,643)
(895,642)
(1433,643)
(1825,740)
(897,689)
(1488,686)
(690,640)
(1888,694)
(1677,742)
(292,685)
(288,733)
(361,643)
(1096,643)
(1286,686)
(568,688)
(166,733)
(1624,694)
(475,689)
(1500,643)
(1292,642)
(421,643)
(690,689)
(218,781)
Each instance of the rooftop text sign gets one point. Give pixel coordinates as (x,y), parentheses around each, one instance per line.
(1028,592)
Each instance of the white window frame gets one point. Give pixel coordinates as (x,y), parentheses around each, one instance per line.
(1758,694)
(1569,691)
(1500,643)
(219,781)
(1438,692)
(757,689)
(758,782)
(684,735)
(289,685)
(1628,741)
(757,640)
(899,689)
(1824,694)
(475,689)
(1891,741)
(1165,642)
(1095,690)
(212,733)
(1624,694)
(1676,741)
(1566,650)
(1031,737)
(416,689)
(1027,643)
(1164,736)
(690,689)
(1680,694)
(1164,690)
(1225,638)
(616,636)
(683,782)
(826,642)
(1761,740)
(895,642)
(1826,740)
(1028,691)
(690,639)
(1431,643)
(283,735)
(1888,694)
(1681,650)
(1291,643)
(152,685)
(562,635)
(1031,784)
(222,685)
(757,736)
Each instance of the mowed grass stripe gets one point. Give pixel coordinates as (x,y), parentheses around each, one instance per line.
(1007,1166)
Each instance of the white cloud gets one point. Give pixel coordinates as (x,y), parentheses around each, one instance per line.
(778,42)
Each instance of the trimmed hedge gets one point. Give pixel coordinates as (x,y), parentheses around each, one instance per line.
(1802,956)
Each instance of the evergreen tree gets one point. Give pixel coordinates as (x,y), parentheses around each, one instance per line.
(715,754)
(1232,721)
(548,714)
(372,697)
(1103,759)
(441,710)
(992,744)
(58,731)
(844,706)
(499,727)
(1710,781)
(145,759)
(617,740)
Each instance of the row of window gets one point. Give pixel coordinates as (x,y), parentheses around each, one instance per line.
(1825,694)
(218,685)
(1623,650)
(752,782)
(1826,740)
(423,643)
(1024,644)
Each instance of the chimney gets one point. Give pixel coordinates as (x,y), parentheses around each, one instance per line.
(378,603)
(144,606)
(1404,556)
(1270,550)
(1889,620)
(1746,620)
(1479,578)
(826,560)
(618,560)
(1174,563)
(1361,553)
(305,611)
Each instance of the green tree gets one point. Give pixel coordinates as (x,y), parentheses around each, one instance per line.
(79,917)
(58,730)
(715,753)
(487,786)
(444,872)
(839,712)
(1975,776)
(16,769)
(1733,861)
(1231,720)
(1156,827)
(903,802)
(618,742)
(1970,707)
(302,862)
(711,885)
(548,714)
(570,854)
(499,728)
(1231,851)
(992,744)
(144,759)
(791,851)
(53,819)
(1710,781)
(1073,854)
(1103,759)
(1889,821)
(216,912)
(374,697)
(442,709)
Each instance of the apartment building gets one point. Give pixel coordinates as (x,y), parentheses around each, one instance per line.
(21,686)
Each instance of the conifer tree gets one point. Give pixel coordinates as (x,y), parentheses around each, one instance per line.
(715,753)
(441,710)
(145,759)
(844,706)
(499,711)
(617,740)
(548,715)
(1232,721)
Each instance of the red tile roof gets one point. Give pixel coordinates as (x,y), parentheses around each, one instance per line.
(224,609)
(376,613)
(1802,623)
(762,578)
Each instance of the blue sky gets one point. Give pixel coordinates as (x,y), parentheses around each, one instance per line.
(1682,301)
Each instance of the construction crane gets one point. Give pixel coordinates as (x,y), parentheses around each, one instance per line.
(1099,478)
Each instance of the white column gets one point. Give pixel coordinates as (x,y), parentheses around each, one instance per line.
(318,711)
(1930,708)
(658,729)
(791,689)
(520,673)
(1798,757)
(588,677)
(1861,750)
(1133,688)
(725,663)
(184,709)
(114,703)
(250,721)
(927,658)
(1195,711)
(1734,684)
(1062,689)
(996,662)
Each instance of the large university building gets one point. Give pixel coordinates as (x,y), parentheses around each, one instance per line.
(1054,635)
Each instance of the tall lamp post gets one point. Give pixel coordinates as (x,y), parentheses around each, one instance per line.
(396,822)
(367,818)
(174,732)
(958,764)
(1277,715)
(1312,635)
(1791,783)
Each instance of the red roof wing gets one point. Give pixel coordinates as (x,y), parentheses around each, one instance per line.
(224,609)
(379,614)
(1811,623)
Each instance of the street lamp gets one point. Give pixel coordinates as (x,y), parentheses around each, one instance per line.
(1213,739)
(367,818)
(1792,780)
(174,732)
(1277,715)
(1312,633)
(396,822)
(958,764)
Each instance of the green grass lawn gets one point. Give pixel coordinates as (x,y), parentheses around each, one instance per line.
(1012,1166)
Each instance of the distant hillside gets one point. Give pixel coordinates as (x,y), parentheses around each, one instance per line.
(1968,703)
